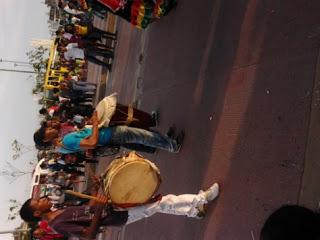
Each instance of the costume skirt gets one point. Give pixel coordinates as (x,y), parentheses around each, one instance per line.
(140,13)
(144,12)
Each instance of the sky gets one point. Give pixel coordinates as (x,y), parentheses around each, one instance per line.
(20,21)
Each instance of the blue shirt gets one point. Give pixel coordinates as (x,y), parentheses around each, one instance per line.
(71,141)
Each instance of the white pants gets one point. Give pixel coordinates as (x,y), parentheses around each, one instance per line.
(186,204)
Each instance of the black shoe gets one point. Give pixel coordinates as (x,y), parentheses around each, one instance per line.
(108,66)
(114,35)
(179,139)
(155,115)
(201,212)
(171,6)
(171,132)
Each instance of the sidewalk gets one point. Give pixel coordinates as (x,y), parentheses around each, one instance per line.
(310,187)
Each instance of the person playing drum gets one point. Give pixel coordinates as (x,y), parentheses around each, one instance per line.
(83,221)
(90,138)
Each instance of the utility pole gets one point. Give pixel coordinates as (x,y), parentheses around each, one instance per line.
(14,231)
(16,64)
(14,70)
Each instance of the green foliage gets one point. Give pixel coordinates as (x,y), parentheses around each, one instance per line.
(38,58)
(12,173)
(19,149)
(14,207)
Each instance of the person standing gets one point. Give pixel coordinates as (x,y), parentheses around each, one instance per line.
(73,52)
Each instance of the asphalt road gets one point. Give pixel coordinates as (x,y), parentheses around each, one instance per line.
(238,77)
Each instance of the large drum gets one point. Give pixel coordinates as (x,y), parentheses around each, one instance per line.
(131,180)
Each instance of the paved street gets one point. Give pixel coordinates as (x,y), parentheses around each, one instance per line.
(239,78)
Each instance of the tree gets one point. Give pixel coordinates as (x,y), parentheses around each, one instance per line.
(12,172)
(14,206)
(38,58)
(19,149)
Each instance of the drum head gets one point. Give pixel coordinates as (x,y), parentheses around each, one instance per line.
(105,109)
(134,182)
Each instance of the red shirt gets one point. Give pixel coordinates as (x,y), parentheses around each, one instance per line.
(53,109)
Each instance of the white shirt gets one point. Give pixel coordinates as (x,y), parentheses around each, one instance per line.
(71,11)
(73,52)
(75,78)
(51,112)
(67,35)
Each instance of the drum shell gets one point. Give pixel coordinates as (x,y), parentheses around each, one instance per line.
(131,180)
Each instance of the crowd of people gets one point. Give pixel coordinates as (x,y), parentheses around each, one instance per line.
(74,133)
(140,13)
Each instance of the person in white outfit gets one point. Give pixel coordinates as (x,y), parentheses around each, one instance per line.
(83,221)
(190,205)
